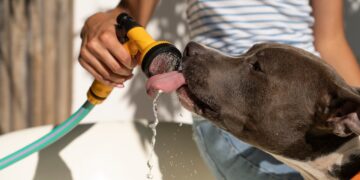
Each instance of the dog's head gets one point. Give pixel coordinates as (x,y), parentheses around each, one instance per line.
(276,97)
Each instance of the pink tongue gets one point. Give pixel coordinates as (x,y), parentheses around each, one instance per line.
(166,82)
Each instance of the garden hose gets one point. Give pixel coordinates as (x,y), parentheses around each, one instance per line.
(58,132)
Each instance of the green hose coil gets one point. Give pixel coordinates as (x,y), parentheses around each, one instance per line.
(49,138)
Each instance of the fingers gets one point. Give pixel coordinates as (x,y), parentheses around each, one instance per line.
(100,71)
(104,56)
(103,65)
(88,58)
(93,72)
(117,50)
(101,53)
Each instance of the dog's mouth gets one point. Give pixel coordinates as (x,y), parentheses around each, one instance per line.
(175,81)
(196,103)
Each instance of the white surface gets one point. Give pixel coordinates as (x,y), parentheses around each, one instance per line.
(9,145)
(131,102)
(106,151)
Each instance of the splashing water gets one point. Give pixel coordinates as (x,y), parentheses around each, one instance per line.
(164,62)
(153,125)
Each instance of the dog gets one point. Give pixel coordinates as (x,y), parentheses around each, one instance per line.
(280,99)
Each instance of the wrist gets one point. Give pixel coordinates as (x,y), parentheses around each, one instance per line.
(116,11)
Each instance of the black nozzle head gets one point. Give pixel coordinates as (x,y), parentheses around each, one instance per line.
(124,24)
(127,22)
(161,58)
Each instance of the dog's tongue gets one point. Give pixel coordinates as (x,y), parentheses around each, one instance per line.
(166,82)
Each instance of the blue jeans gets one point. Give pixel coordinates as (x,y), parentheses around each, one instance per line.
(232,159)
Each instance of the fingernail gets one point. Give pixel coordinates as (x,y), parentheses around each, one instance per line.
(128,63)
(120,86)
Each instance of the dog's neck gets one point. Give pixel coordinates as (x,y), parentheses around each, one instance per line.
(344,162)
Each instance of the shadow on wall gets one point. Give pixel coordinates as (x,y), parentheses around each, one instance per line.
(352,25)
(169,21)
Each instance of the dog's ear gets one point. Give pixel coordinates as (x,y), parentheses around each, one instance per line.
(345,112)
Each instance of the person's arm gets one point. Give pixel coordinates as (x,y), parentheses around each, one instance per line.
(101,53)
(330,39)
(141,10)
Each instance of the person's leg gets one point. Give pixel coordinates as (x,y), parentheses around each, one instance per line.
(232,159)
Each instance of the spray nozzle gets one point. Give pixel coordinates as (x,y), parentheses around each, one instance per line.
(156,57)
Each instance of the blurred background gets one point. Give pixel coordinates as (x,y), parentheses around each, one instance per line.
(41,83)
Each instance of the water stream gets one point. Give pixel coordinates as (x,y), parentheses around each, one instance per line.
(153,125)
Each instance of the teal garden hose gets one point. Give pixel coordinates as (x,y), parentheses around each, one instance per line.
(49,138)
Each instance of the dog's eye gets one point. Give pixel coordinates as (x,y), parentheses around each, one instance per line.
(256,66)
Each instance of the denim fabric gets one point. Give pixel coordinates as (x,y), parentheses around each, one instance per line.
(232,159)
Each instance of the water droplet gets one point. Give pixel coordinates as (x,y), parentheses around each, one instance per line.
(149,176)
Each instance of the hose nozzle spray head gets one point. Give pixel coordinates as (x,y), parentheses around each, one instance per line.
(156,56)
(161,58)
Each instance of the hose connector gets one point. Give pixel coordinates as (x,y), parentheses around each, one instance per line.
(98,92)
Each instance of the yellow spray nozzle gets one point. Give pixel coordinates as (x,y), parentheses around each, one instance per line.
(143,41)
(138,40)
(140,37)
(149,49)
(135,39)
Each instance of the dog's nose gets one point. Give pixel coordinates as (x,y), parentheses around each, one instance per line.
(193,49)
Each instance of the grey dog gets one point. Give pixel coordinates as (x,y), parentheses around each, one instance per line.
(282,100)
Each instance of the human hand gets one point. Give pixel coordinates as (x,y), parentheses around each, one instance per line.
(101,53)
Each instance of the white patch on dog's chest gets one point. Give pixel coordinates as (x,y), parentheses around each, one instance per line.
(312,170)
(320,167)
